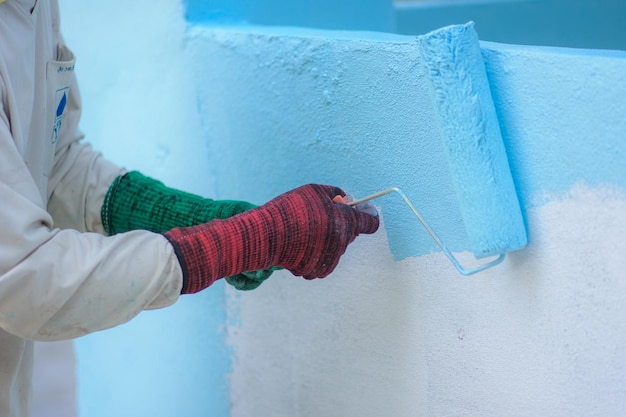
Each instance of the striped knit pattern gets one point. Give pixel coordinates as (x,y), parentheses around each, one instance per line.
(137,202)
(302,230)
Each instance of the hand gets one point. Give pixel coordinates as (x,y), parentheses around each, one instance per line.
(303,230)
(135,201)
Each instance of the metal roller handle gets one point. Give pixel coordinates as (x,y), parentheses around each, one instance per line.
(430,231)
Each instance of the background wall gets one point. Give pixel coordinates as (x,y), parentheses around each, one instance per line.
(328,14)
(248,112)
(571,23)
(140,111)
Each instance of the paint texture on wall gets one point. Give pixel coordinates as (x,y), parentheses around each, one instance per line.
(288,107)
(471,136)
(562,116)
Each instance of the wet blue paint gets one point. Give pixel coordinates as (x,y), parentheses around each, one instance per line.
(287,106)
(562,116)
(471,136)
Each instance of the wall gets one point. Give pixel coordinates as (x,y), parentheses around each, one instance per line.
(395,331)
(327,14)
(571,23)
(140,111)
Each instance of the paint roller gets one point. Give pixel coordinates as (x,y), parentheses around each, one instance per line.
(474,147)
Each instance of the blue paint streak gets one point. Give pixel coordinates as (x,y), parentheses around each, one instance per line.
(271,126)
(61,106)
(472,139)
(562,117)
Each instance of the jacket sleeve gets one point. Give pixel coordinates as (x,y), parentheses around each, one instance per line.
(60,279)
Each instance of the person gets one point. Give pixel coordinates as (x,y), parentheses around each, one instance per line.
(86,245)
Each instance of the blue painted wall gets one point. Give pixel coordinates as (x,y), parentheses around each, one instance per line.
(561,113)
(165,363)
(325,107)
(295,106)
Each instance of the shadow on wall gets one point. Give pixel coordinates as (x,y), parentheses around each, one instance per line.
(568,23)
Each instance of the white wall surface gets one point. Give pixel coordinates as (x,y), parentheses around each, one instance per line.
(540,335)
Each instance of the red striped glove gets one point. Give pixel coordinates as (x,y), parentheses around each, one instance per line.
(303,231)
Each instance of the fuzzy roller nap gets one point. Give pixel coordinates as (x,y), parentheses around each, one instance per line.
(473,144)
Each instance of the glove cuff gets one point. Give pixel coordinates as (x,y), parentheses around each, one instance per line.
(137,202)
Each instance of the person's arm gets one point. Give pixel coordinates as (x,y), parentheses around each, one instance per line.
(88,193)
(305,230)
(58,284)
(137,202)
(64,283)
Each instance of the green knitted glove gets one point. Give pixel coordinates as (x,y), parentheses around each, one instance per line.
(247,281)
(137,202)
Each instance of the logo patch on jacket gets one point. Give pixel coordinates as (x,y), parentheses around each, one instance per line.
(61,101)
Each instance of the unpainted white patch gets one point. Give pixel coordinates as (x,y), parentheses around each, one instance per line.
(541,334)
